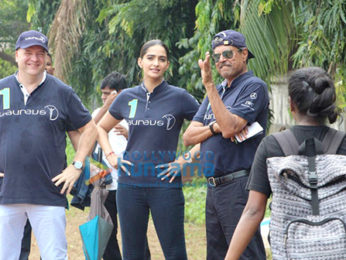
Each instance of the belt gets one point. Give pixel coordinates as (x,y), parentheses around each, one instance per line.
(212,181)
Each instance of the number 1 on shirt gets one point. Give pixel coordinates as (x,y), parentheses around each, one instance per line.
(133,107)
(5,93)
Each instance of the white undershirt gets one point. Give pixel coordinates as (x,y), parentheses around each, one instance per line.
(23,88)
(118,144)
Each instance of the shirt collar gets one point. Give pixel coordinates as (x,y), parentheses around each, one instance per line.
(43,79)
(158,89)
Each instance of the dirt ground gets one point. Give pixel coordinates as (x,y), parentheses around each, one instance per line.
(195,239)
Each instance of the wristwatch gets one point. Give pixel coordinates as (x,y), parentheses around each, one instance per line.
(78,165)
(211,127)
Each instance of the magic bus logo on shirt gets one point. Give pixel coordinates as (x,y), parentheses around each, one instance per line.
(167,121)
(51,111)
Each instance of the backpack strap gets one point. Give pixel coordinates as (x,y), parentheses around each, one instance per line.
(332,141)
(287,141)
(289,144)
(310,152)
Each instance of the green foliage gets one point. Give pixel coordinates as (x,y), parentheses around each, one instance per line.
(195,195)
(269,35)
(322,34)
(69,151)
(12,21)
(321,39)
(283,35)
(211,17)
(6,68)
(131,24)
(114,32)
(41,14)
(340,85)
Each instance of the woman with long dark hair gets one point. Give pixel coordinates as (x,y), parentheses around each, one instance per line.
(155,112)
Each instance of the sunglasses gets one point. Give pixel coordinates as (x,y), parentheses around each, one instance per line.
(226,54)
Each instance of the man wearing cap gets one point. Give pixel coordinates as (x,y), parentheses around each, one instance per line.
(36,110)
(240,100)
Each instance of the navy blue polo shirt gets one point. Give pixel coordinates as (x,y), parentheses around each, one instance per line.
(155,120)
(32,139)
(248,98)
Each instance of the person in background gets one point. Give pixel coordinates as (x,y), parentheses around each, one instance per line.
(155,112)
(111,86)
(312,101)
(32,150)
(49,64)
(240,100)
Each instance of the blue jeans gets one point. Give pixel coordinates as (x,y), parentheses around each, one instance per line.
(167,210)
(224,205)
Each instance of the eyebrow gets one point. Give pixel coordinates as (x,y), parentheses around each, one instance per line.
(154,55)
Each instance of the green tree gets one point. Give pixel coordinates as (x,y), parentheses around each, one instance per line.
(93,37)
(12,23)
(97,37)
(283,35)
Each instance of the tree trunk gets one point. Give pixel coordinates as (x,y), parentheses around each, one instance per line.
(6,57)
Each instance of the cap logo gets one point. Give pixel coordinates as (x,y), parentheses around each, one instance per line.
(35,38)
(217,40)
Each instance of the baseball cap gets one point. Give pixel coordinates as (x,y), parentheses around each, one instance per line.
(31,38)
(230,37)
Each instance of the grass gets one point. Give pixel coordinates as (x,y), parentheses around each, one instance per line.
(195,193)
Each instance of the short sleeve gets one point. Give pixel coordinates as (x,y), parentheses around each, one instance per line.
(252,100)
(190,105)
(199,116)
(116,108)
(78,114)
(259,180)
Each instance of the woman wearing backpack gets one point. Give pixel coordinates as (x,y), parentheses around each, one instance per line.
(312,102)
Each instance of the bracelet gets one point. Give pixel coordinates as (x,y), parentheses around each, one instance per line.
(110,153)
(212,128)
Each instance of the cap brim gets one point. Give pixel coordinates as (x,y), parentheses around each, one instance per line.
(24,46)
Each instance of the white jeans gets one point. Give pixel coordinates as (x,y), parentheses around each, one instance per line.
(48,224)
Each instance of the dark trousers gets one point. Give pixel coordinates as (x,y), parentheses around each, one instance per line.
(26,242)
(167,210)
(112,251)
(224,206)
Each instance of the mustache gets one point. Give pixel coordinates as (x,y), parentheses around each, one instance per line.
(225,64)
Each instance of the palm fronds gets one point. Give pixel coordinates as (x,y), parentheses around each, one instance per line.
(65,33)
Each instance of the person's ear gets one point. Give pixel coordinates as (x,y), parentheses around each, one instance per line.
(292,105)
(139,62)
(245,54)
(16,55)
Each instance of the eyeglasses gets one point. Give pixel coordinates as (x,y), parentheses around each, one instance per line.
(226,54)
